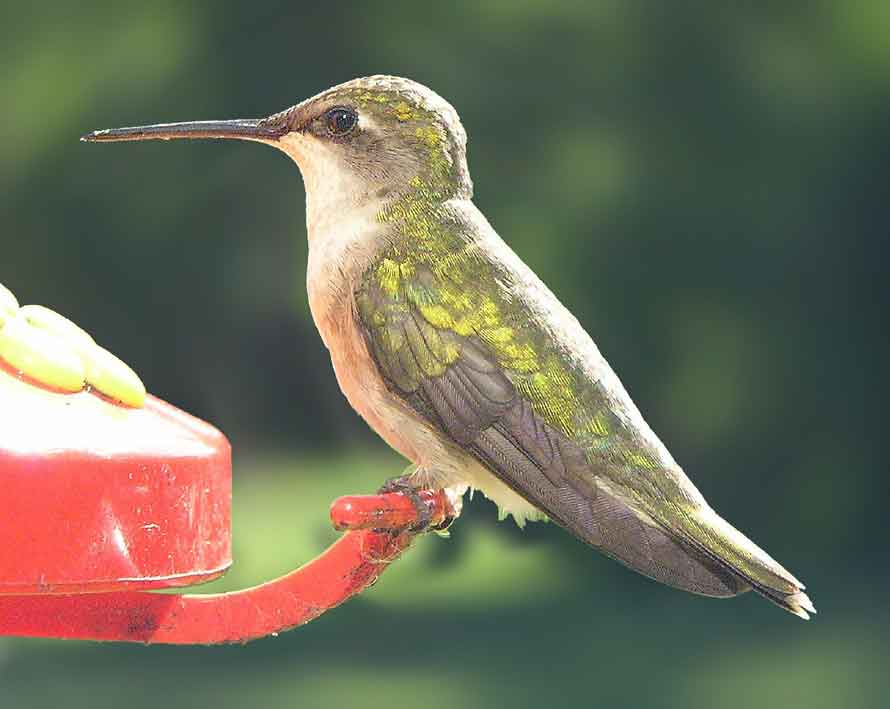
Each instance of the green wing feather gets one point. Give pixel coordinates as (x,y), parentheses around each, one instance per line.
(463,341)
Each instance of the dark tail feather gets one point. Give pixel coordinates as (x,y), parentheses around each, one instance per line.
(618,531)
(798,602)
(725,544)
(707,556)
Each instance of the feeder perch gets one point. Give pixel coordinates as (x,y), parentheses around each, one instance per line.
(109,493)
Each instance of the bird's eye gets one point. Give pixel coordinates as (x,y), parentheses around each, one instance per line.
(341,121)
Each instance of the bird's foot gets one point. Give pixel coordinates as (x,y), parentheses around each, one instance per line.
(403,485)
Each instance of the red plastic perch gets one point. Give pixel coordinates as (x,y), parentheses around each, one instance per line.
(349,566)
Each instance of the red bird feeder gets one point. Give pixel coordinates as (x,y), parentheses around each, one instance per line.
(103,502)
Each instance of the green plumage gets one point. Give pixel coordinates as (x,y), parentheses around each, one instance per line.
(423,306)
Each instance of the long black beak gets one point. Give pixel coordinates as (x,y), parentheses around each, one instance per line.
(239,129)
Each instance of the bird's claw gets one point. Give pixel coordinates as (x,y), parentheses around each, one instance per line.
(403,485)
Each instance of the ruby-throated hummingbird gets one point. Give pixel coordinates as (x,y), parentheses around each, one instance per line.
(461,358)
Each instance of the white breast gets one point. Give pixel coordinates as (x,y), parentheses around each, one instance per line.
(339,252)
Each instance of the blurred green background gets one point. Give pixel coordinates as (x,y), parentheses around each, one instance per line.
(705,185)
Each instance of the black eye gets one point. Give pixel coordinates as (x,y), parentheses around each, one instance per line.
(341,121)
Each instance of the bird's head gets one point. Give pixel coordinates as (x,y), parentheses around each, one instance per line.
(372,139)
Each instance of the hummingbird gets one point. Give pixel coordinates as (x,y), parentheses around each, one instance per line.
(461,358)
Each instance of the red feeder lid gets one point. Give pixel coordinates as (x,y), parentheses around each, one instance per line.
(97,496)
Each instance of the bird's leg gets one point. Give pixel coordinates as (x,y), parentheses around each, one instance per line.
(402,484)
(405,485)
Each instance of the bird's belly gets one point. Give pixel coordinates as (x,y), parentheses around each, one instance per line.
(360,381)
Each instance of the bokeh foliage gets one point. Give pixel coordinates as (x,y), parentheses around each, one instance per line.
(704,184)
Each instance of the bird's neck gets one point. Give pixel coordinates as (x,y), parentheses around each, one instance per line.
(353,223)
(349,236)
